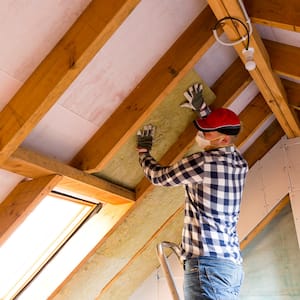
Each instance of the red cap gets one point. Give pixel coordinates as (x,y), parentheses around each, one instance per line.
(222,120)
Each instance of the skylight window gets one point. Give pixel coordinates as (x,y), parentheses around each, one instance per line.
(35,243)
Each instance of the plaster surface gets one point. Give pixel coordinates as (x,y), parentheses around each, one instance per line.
(271,262)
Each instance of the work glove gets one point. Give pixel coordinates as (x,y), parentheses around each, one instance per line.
(194,97)
(145,138)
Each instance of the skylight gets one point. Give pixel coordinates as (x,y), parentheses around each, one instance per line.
(34,244)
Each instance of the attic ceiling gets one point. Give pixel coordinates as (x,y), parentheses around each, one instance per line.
(79,78)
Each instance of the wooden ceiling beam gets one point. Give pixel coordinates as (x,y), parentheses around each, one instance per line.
(161,79)
(33,165)
(22,201)
(285,58)
(252,117)
(167,228)
(263,143)
(293,91)
(267,81)
(230,84)
(276,13)
(57,71)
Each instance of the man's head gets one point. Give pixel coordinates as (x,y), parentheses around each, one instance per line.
(218,129)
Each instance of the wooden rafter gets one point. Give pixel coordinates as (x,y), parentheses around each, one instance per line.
(230,84)
(21,201)
(293,91)
(255,114)
(134,110)
(150,244)
(33,165)
(276,13)
(56,72)
(285,58)
(263,143)
(19,162)
(268,83)
(235,79)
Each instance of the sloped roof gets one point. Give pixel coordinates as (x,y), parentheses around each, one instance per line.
(79,78)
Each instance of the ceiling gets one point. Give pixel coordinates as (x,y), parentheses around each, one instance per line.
(79,78)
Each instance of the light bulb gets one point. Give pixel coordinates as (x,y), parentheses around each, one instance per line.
(250,64)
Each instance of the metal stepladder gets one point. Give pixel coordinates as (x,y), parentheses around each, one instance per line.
(165,265)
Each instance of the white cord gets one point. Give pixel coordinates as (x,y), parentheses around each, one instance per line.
(243,38)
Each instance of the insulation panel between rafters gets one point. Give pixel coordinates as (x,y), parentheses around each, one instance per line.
(149,93)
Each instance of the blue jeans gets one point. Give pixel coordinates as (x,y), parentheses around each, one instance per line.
(212,278)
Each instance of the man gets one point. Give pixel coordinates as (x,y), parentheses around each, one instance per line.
(213,180)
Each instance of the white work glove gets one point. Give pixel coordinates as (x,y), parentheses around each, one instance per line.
(145,138)
(194,97)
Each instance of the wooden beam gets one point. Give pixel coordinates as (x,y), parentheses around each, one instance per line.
(259,228)
(276,13)
(274,132)
(252,117)
(56,72)
(134,110)
(33,165)
(230,84)
(293,92)
(263,143)
(267,81)
(285,58)
(21,202)
(150,244)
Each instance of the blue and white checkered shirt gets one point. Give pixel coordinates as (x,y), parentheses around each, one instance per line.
(214,182)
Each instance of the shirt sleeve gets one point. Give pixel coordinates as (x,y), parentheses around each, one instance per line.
(187,171)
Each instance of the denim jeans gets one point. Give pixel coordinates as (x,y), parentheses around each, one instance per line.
(212,278)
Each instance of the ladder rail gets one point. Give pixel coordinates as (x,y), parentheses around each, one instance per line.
(165,265)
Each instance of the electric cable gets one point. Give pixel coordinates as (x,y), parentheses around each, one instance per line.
(243,38)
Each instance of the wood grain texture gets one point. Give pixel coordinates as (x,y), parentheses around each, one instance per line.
(56,72)
(281,14)
(34,165)
(21,202)
(162,78)
(266,80)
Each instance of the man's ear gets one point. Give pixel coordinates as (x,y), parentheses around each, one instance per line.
(226,140)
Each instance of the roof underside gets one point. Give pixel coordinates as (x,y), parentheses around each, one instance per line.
(79,78)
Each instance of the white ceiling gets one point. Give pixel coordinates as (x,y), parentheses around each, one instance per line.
(30,29)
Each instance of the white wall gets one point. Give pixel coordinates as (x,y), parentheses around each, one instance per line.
(272,262)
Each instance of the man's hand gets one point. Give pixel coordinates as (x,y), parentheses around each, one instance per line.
(145,138)
(194,97)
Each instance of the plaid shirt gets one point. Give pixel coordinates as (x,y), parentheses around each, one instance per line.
(213,182)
